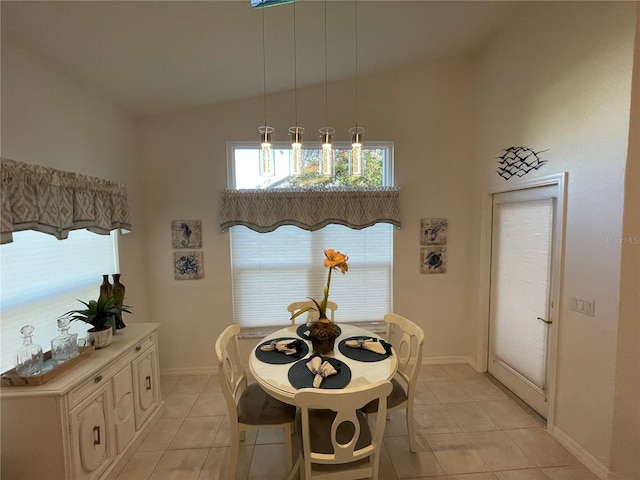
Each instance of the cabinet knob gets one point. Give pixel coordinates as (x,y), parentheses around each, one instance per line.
(97,379)
(138,348)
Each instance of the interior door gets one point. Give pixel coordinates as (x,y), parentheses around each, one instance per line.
(521,310)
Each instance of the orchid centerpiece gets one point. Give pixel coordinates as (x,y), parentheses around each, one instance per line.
(323,330)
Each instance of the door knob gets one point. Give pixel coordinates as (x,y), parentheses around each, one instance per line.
(548,322)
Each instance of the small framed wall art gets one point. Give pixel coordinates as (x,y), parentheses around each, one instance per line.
(186,234)
(188,265)
(433,245)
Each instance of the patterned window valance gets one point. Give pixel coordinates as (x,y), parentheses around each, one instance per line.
(56,202)
(310,209)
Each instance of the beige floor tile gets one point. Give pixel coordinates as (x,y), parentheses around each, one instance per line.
(396,425)
(268,462)
(407,464)
(424,394)
(267,436)
(167,383)
(461,371)
(179,405)
(212,386)
(473,476)
(499,451)
(160,435)
(541,447)
(191,384)
(196,432)
(528,474)
(569,473)
(180,465)
(209,405)
(456,454)
(448,391)
(222,437)
(215,466)
(433,372)
(507,414)
(140,466)
(434,419)
(481,389)
(470,417)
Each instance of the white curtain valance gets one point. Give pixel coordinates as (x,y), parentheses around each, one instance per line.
(55,202)
(310,209)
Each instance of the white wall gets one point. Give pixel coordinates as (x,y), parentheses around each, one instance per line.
(424,110)
(559,80)
(53,120)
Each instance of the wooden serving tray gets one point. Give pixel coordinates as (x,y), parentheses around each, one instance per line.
(49,370)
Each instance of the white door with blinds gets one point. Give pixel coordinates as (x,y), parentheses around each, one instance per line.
(521,310)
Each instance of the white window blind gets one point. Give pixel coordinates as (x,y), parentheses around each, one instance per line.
(42,278)
(271,270)
(522,274)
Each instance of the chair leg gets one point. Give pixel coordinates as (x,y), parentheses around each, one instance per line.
(233,455)
(295,471)
(288,435)
(411,429)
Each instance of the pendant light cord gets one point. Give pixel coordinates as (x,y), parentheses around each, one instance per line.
(295,66)
(264,71)
(356,59)
(326,78)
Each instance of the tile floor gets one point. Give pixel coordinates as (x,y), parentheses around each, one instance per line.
(467,428)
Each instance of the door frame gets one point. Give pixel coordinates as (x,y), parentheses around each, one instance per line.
(559,179)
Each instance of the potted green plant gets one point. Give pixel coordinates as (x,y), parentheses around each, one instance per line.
(101,315)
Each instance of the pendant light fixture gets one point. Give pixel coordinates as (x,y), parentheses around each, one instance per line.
(357,133)
(326,133)
(267,165)
(295,132)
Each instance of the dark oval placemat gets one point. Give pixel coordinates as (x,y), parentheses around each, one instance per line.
(303,328)
(277,358)
(360,354)
(301,377)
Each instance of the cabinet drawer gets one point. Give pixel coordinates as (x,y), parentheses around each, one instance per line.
(91,384)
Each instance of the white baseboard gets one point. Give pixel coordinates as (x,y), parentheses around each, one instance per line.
(450,360)
(588,460)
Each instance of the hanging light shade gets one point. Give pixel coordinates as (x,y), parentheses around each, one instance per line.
(267,166)
(357,134)
(326,163)
(296,150)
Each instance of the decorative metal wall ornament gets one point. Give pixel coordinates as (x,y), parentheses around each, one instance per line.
(518,161)
(433,241)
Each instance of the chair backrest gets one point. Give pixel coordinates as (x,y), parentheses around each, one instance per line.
(313,314)
(346,404)
(407,339)
(231,373)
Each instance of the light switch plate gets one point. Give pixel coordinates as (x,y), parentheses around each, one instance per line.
(581,305)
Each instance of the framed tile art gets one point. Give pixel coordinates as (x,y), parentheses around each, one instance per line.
(186,234)
(433,245)
(188,265)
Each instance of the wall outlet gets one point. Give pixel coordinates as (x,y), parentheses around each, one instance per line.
(585,306)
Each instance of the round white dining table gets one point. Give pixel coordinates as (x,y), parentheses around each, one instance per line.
(274,378)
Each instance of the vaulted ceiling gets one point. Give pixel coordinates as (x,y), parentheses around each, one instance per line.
(158,56)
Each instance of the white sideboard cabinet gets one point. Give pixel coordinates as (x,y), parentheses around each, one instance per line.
(87,423)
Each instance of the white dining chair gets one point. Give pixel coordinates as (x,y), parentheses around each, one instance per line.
(407,339)
(335,439)
(249,407)
(313,314)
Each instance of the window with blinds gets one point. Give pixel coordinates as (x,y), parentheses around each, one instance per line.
(41,278)
(272,270)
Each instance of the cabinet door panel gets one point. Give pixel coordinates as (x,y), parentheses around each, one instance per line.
(91,435)
(146,392)
(123,418)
